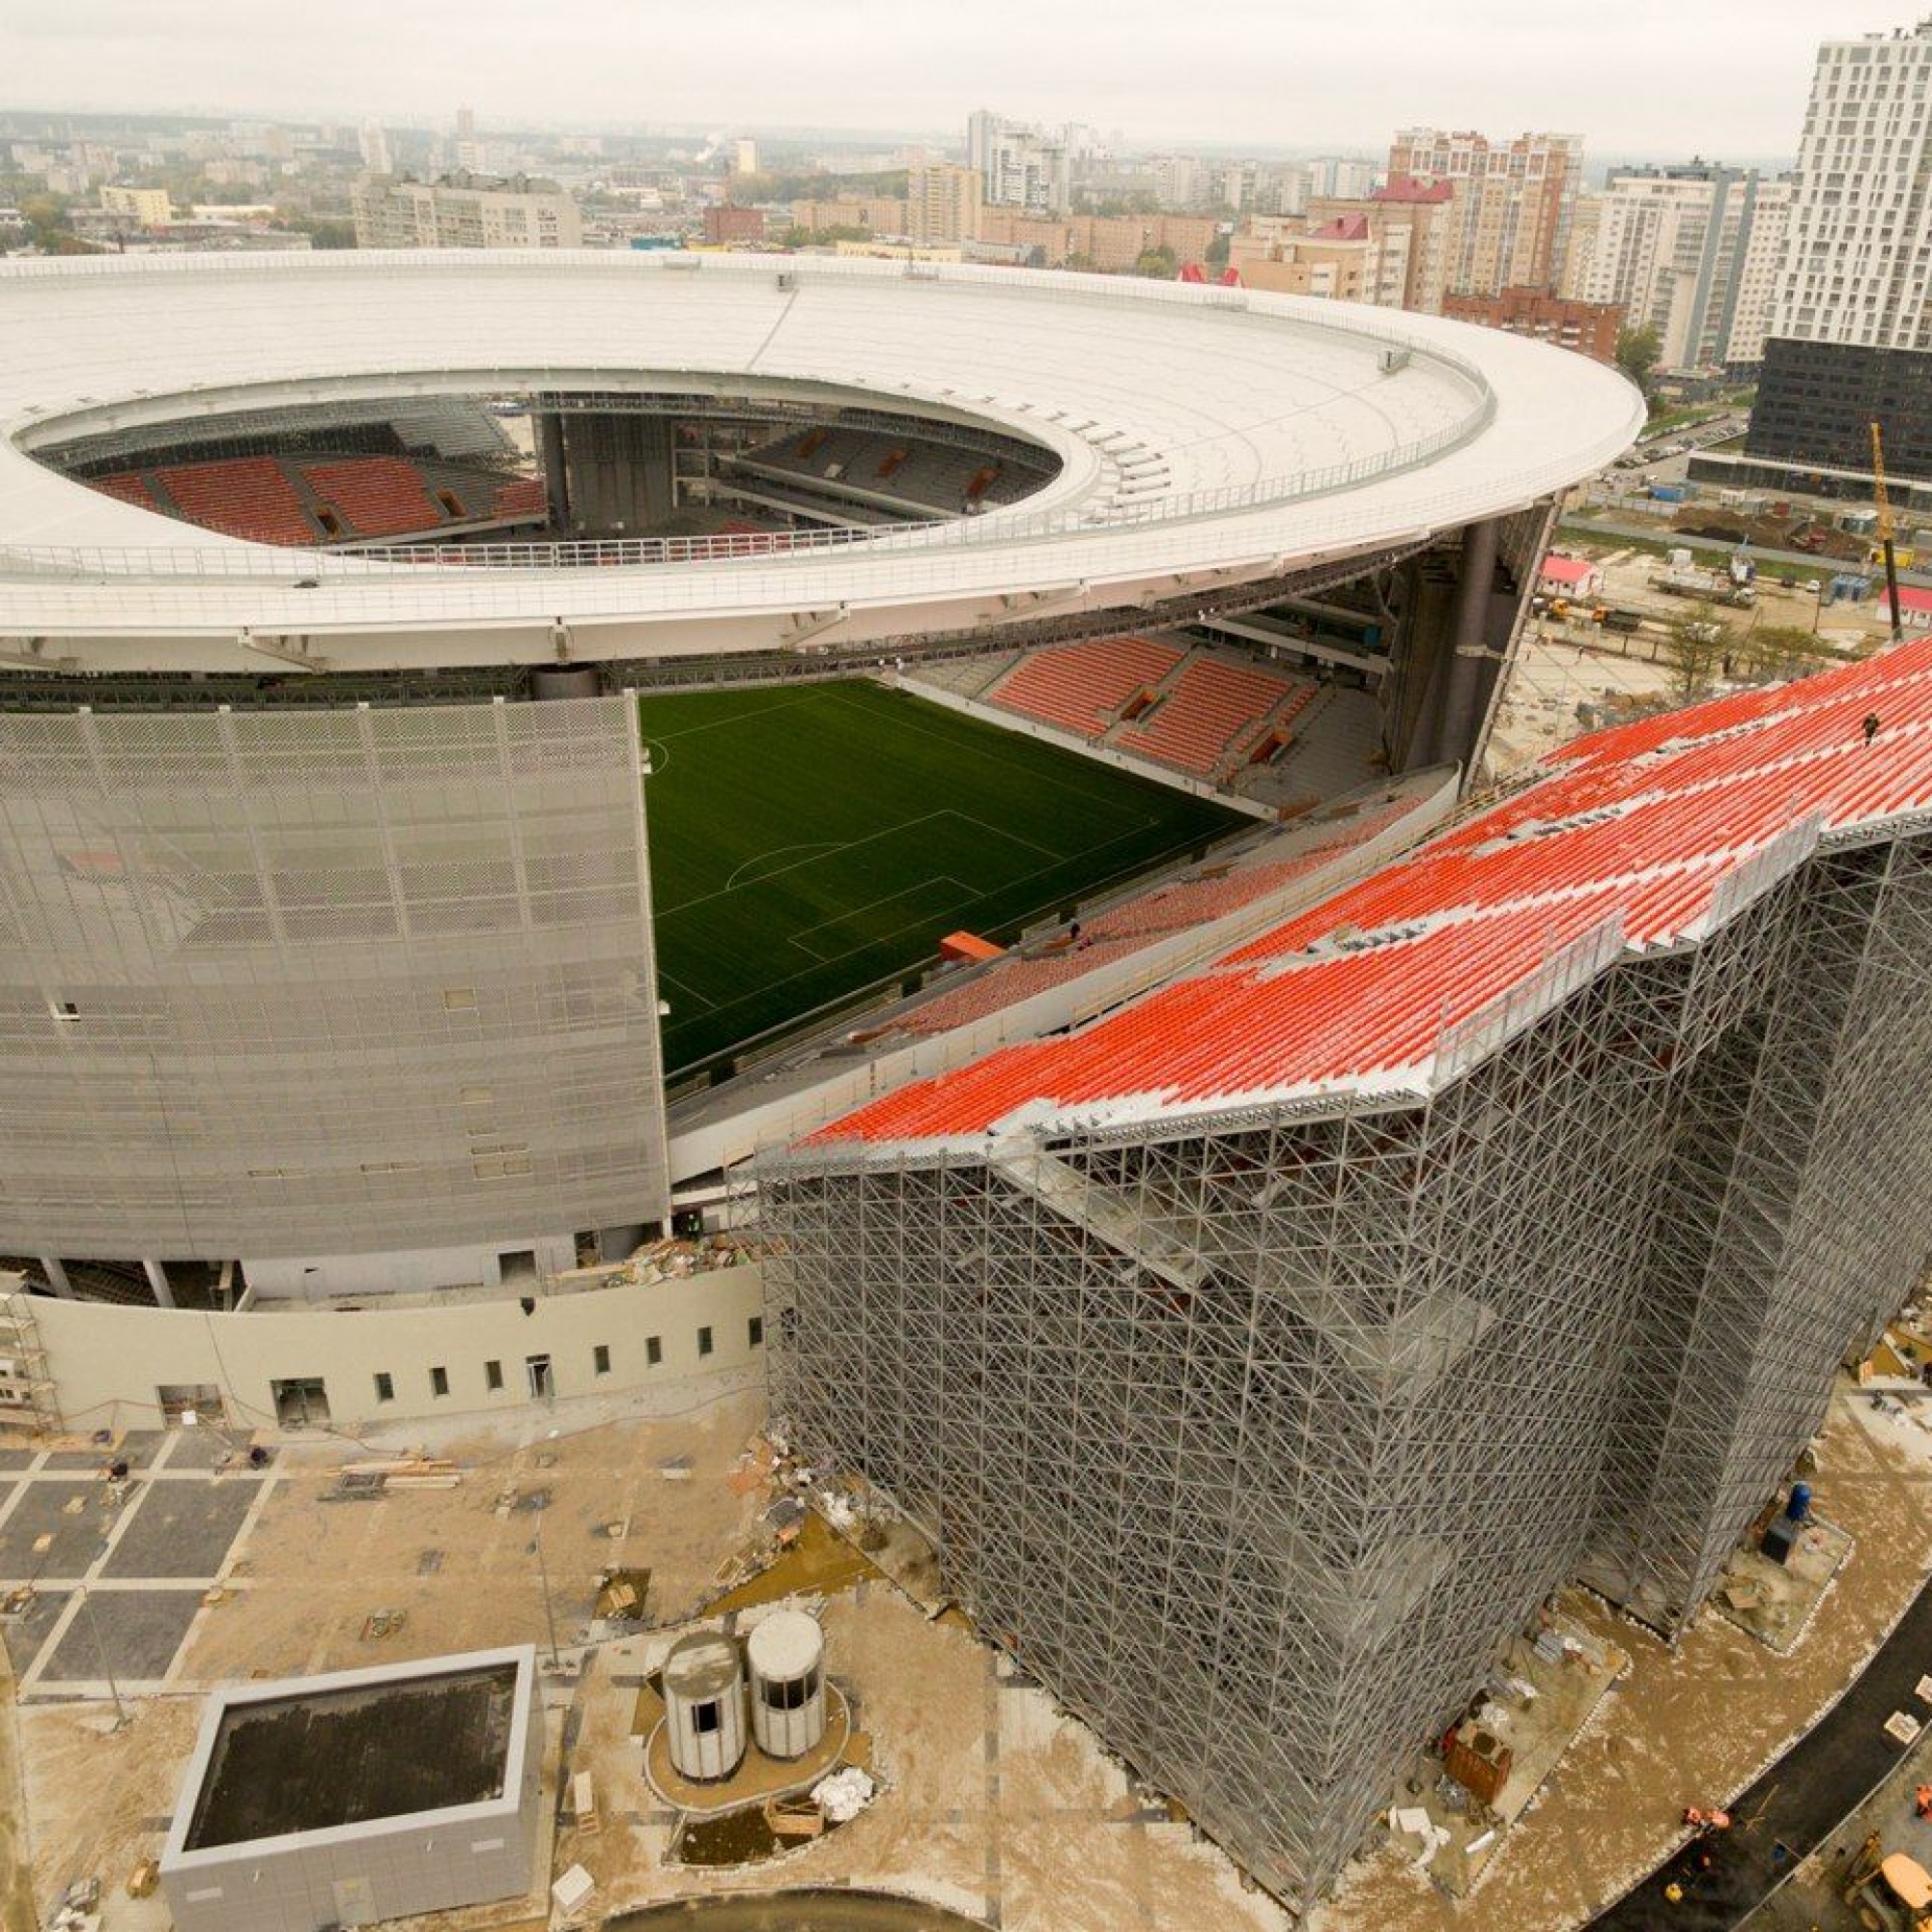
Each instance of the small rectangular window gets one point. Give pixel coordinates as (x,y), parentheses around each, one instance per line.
(438,1382)
(493,1375)
(704,1341)
(654,1351)
(459,999)
(754,1331)
(600,1358)
(385,1386)
(706,1718)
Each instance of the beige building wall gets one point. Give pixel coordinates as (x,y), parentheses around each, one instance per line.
(108,1363)
(149,206)
(459,214)
(1420,235)
(942,204)
(1110,245)
(882,214)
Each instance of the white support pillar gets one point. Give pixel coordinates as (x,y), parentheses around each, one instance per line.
(157,1280)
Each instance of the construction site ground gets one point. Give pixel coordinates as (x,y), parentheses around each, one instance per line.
(991,1802)
(1564,666)
(1689,1726)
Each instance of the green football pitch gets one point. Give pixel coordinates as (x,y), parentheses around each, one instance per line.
(807,842)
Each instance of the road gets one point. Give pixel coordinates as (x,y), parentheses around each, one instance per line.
(1795,1805)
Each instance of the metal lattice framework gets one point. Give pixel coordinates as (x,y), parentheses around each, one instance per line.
(1255,1439)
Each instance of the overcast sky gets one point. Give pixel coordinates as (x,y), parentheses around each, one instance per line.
(1724,78)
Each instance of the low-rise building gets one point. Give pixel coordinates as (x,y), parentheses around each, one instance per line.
(1591,328)
(882,214)
(147,205)
(726,223)
(463,210)
(359,1796)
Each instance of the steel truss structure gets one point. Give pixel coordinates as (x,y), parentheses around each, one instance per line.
(1256,1437)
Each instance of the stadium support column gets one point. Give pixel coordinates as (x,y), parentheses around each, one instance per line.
(157,1280)
(55,1270)
(1460,710)
(555,470)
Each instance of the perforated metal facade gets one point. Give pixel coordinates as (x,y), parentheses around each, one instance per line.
(331,981)
(1255,1437)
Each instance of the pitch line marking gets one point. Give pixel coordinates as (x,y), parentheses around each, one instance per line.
(849,845)
(688,992)
(760,858)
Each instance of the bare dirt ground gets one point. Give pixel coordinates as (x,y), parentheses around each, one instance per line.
(1692,1728)
(992,1803)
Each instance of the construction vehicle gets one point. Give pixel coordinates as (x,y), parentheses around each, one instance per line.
(1735,585)
(1886,533)
(1890,1891)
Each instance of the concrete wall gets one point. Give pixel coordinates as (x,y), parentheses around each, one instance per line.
(107,1362)
(1105,754)
(408,1271)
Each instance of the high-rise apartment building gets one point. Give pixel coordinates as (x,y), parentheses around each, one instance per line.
(1850,340)
(1692,252)
(372,141)
(464,211)
(943,203)
(1018,165)
(1514,201)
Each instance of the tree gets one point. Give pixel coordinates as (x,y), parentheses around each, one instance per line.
(1784,651)
(323,231)
(1217,252)
(1697,646)
(1637,350)
(1157,264)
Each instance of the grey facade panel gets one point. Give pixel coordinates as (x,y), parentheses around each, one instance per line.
(325,981)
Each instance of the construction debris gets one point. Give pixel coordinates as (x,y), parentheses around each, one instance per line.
(843,1795)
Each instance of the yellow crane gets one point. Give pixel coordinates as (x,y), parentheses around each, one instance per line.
(1886,531)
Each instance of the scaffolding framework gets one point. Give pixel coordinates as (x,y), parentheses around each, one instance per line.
(1254,1439)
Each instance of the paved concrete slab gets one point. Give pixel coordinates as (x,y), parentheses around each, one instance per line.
(71,1513)
(206,1449)
(137,1449)
(25,1633)
(14,1456)
(134,1633)
(182,1528)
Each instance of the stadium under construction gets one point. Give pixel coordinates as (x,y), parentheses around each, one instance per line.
(1282,1256)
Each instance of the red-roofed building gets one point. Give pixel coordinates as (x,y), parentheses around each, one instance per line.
(1261,1356)
(1570,577)
(1414,188)
(1914,608)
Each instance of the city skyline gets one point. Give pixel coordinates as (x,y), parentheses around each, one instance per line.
(1651,79)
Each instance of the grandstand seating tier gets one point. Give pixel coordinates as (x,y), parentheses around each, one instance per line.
(1627,839)
(1079,687)
(242,496)
(375,495)
(1213,709)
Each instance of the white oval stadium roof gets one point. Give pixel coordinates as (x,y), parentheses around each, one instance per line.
(1208,436)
